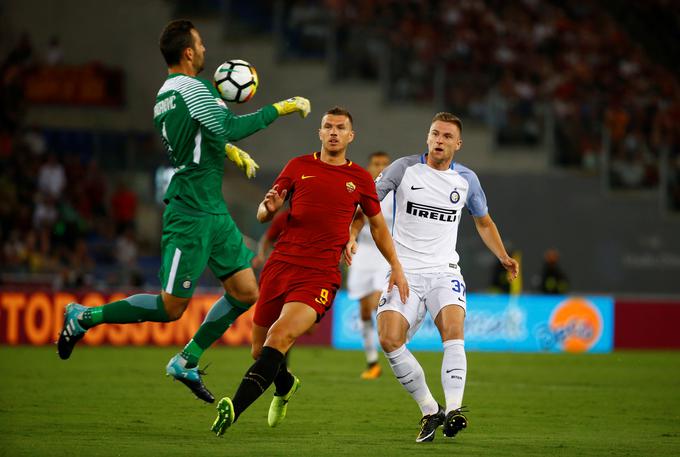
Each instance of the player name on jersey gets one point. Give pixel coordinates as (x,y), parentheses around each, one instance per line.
(164,106)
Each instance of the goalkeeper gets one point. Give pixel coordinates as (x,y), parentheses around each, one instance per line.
(196,127)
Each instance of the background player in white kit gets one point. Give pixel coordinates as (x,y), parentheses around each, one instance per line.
(430,193)
(368,273)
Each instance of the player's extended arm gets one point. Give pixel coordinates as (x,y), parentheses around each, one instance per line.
(273,201)
(239,127)
(383,240)
(354,229)
(492,239)
(206,107)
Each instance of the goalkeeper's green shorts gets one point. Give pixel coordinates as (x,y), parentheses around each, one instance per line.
(193,239)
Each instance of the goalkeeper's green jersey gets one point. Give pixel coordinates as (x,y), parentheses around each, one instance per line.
(195,125)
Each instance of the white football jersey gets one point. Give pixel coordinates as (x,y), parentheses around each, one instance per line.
(428,205)
(368,256)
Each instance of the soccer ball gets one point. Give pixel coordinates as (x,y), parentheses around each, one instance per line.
(236,81)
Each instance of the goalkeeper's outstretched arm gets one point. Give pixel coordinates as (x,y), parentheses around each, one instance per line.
(239,127)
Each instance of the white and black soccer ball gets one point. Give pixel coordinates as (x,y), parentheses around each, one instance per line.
(236,81)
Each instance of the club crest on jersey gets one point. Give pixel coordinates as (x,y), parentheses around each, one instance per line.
(186,284)
(455,196)
(350,186)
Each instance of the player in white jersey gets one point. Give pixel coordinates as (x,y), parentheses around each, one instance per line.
(431,191)
(367,274)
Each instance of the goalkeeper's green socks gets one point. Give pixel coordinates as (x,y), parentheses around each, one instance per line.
(137,308)
(221,315)
(147,307)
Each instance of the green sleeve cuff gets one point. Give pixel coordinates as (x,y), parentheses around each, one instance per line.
(269,114)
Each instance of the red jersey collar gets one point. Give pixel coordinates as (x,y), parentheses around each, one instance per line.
(317,157)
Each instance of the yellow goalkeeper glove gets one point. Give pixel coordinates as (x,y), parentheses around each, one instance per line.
(292,105)
(242,160)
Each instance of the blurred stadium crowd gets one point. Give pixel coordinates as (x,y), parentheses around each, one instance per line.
(60,214)
(578,76)
(613,99)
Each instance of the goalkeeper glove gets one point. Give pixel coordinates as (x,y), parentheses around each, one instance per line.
(292,105)
(242,160)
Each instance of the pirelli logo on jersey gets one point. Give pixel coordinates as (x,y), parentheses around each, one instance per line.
(431,212)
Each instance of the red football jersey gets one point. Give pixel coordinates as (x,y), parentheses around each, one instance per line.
(323,199)
(278,225)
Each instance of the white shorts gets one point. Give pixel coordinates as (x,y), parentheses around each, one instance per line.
(364,281)
(428,292)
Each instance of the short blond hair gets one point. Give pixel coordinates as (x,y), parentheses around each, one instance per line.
(450,118)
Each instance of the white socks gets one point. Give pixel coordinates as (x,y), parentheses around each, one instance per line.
(454,368)
(369,341)
(410,374)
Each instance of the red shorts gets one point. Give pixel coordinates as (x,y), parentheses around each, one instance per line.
(283,282)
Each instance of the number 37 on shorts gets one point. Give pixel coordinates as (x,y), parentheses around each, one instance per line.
(458,286)
(459,290)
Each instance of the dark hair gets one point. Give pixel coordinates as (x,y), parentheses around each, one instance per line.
(340,111)
(378,154)
(175,38)
(450,118)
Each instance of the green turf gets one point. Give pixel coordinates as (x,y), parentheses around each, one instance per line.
(116,401)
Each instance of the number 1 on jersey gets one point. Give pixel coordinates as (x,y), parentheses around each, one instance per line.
(166,139)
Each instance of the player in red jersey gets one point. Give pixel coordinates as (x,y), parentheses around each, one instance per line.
(269,238)
(301,276)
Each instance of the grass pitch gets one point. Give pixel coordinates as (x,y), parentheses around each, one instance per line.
(116,401)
